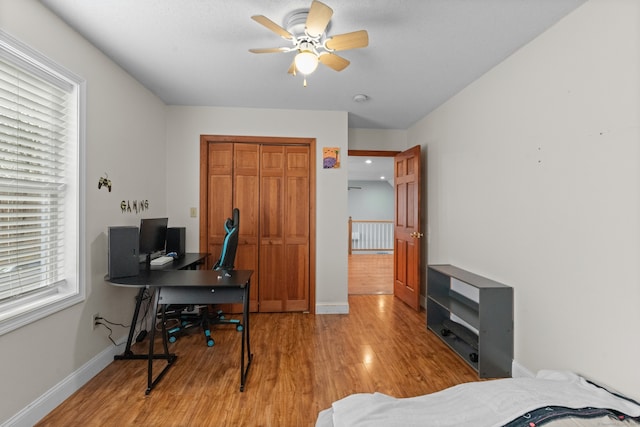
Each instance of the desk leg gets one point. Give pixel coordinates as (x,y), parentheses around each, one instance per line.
(245,338)
(151,382)
(128,354)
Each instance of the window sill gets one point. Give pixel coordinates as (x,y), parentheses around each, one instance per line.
(24,314)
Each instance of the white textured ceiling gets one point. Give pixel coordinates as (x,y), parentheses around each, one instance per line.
(363,168)
(420,53)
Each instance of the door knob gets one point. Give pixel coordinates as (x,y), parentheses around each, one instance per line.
(416,235)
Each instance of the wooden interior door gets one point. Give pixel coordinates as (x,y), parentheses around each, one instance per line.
(406,269)
(272,259)
(272,182)
(284,229)
(232,181)
(246,191)
(296,228)
(218,170)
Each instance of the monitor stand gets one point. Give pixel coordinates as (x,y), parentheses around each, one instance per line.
(147,263)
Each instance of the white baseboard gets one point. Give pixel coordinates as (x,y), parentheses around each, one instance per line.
(40,407)
(519,371)
(332,308)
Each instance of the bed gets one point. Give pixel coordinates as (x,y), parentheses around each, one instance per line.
(552,399)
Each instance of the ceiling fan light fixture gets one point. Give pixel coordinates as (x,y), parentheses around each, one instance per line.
(307,30)
(306,62)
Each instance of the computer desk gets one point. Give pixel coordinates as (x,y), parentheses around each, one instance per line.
(191,287)
(190,261)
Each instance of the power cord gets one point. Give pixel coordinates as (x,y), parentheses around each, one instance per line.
(111,323)
(101,321)
(110,333)
(142,334)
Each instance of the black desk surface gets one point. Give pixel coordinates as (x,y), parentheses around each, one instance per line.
(191,287)
(186,278)
(188,260)
(177,285)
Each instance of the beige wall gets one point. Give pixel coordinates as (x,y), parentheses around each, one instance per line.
(533,176)
(124,138)
(186,124)
(534,181)
(151,152)
(378,139)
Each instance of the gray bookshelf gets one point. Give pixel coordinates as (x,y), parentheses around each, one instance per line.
(473,315)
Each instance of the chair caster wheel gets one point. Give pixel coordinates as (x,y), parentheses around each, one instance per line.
(210,343)
(239,328)
(172,339)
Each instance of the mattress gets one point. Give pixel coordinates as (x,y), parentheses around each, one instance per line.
(573,400)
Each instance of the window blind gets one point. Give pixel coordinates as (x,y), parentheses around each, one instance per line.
(34,115)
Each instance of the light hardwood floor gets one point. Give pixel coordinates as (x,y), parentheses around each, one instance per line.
(302,363)
(371,274)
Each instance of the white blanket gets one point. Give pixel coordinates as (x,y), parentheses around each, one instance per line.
(485,403)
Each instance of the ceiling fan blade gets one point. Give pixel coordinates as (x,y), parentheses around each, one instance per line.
(270,50)
(260,19)
(346,41)
(292,68)
(334,61)
(318,18)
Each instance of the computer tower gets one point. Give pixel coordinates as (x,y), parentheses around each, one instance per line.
(124,260)
(176,240)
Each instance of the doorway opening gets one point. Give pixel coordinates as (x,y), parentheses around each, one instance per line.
(371,214)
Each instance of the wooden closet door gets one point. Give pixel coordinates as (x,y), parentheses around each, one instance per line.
(246,196)
(233,183)
(296,228)
(220,198)
(284,229)
(272,260)
(272,183)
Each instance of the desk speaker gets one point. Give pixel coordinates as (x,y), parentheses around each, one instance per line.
(123,254)
(176,240)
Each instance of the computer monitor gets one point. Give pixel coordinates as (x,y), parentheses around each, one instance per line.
(153,236)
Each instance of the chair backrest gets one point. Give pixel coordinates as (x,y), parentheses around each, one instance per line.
(230,243)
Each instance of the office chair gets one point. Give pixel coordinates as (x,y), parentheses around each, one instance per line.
(230,244)
(190,316)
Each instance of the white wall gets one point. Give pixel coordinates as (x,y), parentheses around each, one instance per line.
(125,138)
(533,177)
(371,201)
(534,181)
(186,124)
(378,139)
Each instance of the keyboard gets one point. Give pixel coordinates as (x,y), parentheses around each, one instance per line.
(162,260)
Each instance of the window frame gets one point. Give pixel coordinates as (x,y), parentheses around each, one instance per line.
(23,310)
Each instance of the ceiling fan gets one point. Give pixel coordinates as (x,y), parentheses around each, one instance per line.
(306,30)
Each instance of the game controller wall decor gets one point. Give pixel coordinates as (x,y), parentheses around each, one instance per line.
(126,206)
(104,182)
